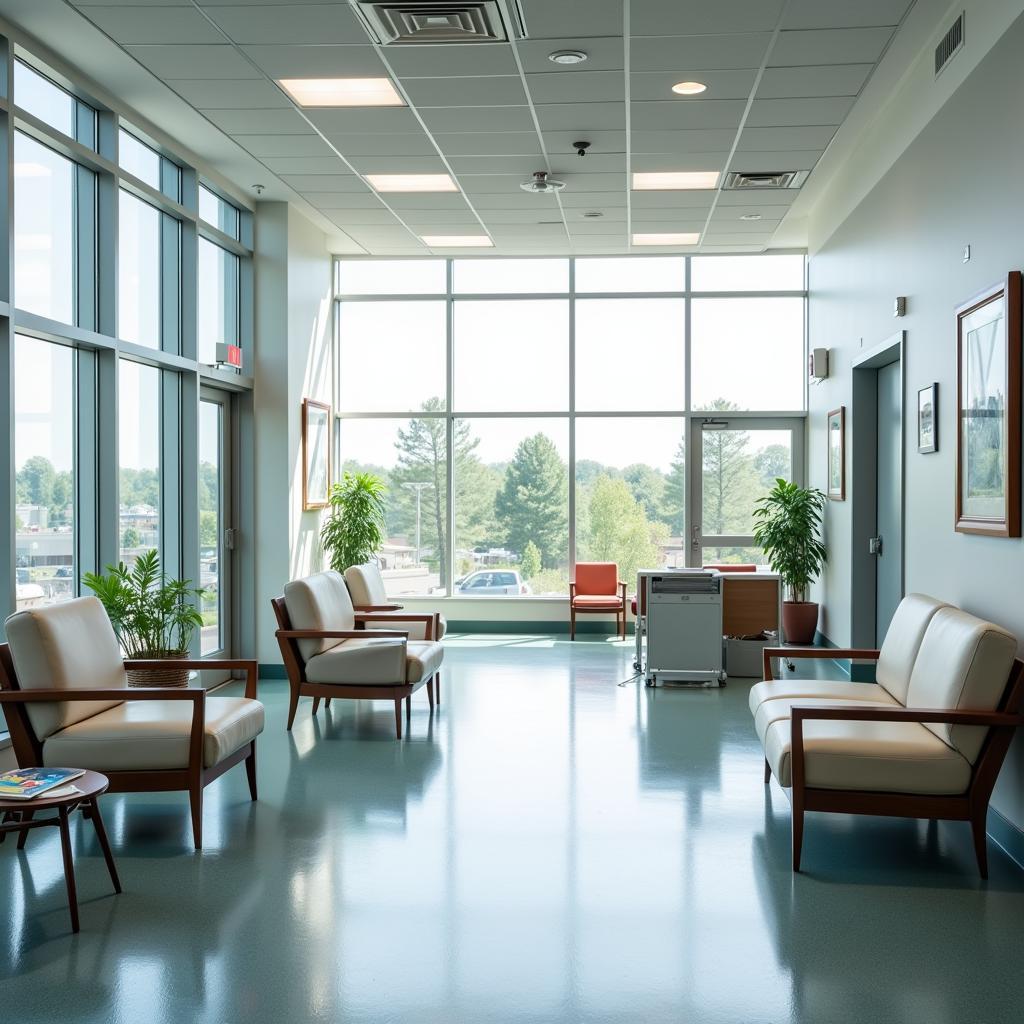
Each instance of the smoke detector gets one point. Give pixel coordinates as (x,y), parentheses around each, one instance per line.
(541,183)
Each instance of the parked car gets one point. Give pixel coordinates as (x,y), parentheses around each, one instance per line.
(492,581)
(23,576)
(64,572)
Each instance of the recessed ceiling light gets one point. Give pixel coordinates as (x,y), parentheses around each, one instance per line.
(412,182)
(689,88)
(667,238)
(457,241)
(568,56)
(654,180)
(750,216)
(342,92)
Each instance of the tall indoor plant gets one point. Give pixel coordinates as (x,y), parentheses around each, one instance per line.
(151,615)
(353,531)
(787,525)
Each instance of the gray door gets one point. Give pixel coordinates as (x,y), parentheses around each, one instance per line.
(889,519)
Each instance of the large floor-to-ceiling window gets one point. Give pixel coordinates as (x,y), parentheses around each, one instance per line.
(528,413)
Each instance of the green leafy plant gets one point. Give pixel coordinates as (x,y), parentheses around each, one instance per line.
(788,527)
(151,614)
(354,530)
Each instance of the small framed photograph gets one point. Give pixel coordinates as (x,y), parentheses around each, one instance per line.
(837,454)
(927,419)
(316,454)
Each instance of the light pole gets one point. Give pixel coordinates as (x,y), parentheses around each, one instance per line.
(419,486)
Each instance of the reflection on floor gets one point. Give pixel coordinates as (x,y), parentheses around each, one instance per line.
(549,847)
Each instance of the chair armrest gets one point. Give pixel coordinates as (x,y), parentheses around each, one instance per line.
(572,591)
(863,653)
(950,716)
(337,634)
(427,618)
(378,607)
(251,668)
(114,693)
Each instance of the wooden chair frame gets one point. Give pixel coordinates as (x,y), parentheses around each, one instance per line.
(300,686)
(193,779)
(619,610)
(970,806)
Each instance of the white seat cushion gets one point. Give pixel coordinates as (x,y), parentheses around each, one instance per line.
(424,660)
(828,689)
(902,642)
(889,757)
(320,601)
(380,662)
(154,734)
(366,585)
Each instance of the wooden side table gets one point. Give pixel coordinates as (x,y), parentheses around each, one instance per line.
(20,816)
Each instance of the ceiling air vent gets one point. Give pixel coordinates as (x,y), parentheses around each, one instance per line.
(764,179)
(950,44)
(395,22)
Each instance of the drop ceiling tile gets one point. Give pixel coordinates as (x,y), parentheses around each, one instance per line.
(581,87)
(809,137)
(398,164)
(363,120)
(183,61)
(487,143)
(490,184)
(722,85)
(396,144)
(843,14)
(594,182)
(321,183)
(290,23)
(230,95)
(148,24)
(761,196)
(305,165)
(696,199)
(758,229)
(544,211)
(564,160)
(451,61)
(285,145)
(427,201)
(795,112)
(454,222)
(604,53)
(695,216)
(610,216)
(559,143)
(769,214)
(687,54)
(378,215)
(727,238)
(290,61)
(672,115)
(734,248)
(258,122)
(787,160)
(661,18)
(830,46)
(581,117)
(344,200)
(477,119)
(493,91)
(371,235)
(702,140)
(546,20)
(529,232)
(513,201)
(522,167)
(678,161)
(838,80)
(592,200)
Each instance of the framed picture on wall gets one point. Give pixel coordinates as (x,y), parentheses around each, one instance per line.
(988,340)
(928,419)
(316,453)
(837,454)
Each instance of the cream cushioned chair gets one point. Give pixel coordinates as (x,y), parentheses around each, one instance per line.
(366,587)
(326,656)
(144,740)
(927,741)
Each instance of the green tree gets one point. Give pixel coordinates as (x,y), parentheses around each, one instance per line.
(772,462)
(207,529)
(674,501)
(531,563)
(35,481)
(62,498)
(620,531)
(729,479)
(531,504)
(647,485)
(130,538)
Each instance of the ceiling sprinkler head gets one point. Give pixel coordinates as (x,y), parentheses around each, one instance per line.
(581,148)
(541,183)
(258,189)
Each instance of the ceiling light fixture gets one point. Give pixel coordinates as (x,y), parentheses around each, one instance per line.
(568,56)
(342,92)
(689,88)
(412,182)
(667,238)
(750,216)
(457,241)
(541,184)
(644,181)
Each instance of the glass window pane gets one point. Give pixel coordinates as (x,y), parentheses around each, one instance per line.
(216,211)
(391,277)
(44,460)
(510,276)
(211,527)
(630,492)
(411,457)
(44,230)
(392,356)
(715,554)
(630,354)
(138,420)
(217,300)
(747,273)
(138,278)
(631,274)
(44,99)
(511,506)
(511,355)
(747,353)
(137,158)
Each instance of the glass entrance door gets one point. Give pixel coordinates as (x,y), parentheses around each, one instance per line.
(215,520)
(733,463)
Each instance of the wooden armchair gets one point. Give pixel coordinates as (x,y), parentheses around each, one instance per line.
(597,588)
(366,588)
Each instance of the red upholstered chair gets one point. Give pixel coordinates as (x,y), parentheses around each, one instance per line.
(597,588)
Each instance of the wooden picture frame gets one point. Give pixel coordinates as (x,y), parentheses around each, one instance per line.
(316,454)
(928,419)
(835,450)
(988,441)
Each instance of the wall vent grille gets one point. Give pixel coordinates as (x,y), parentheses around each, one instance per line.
(736,180)
(438,22)
(950,44)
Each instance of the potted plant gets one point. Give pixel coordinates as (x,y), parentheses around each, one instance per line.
(354,529)
(150,615)
(788,528)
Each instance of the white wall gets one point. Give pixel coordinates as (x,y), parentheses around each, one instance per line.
(958,183)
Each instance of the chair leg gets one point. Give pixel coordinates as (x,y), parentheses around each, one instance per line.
(101,835)
(572,623)
(195,799)
(430,692)
(408,709)
(437,687)
(293,704)
(767,772)
(26,815)
(398,717)
(69,867)
(980,839)
(316,705)
(327,702)
(798,828)
(250,770)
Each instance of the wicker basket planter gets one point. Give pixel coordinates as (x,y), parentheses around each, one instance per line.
(158,677)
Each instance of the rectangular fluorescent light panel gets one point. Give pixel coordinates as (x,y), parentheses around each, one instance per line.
(457,241)
(668,238)
(342,92)
(412,182)
(664,180)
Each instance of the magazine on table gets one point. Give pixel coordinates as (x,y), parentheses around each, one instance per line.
(27,783)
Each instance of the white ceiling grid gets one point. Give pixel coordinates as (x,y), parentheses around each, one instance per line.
(782,75)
